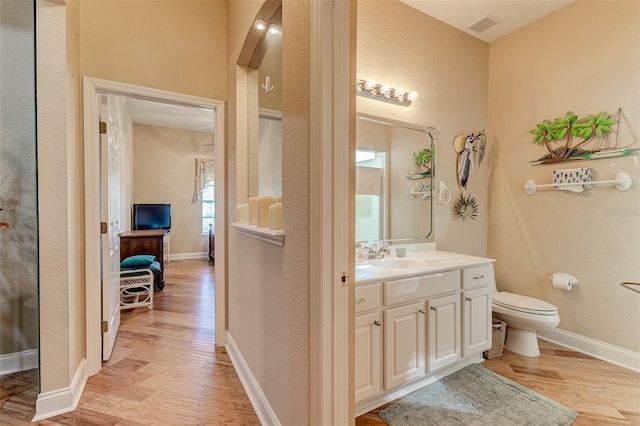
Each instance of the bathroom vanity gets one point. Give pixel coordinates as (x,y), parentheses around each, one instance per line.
(418,318)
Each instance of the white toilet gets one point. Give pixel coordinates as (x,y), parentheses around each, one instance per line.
(525,317)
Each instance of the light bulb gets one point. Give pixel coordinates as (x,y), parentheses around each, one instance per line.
(412,95)
(260,24)
(399,92)
(370,84)
(385,89)
(273,29)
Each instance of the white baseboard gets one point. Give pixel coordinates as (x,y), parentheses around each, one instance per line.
(18,361)
(181,256)
(62,401)
(259,402)
(604,351)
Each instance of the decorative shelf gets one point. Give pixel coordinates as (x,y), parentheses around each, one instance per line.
(265,234)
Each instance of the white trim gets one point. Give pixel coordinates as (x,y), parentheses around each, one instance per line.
(604,351)
(331,115)
(267,235)
(182,256)
(91,88)
(18,361)
(260,404)
(64,400)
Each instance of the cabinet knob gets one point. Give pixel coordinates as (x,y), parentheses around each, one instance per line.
(478,277)
(468,299)
(434,309)
(422,311)
(377,322)
(361,300)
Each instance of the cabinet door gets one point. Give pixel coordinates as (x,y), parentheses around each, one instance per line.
(476,320)
(443,347)
(368,347)
(404,344)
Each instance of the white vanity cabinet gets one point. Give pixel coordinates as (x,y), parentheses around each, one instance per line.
(424,335)
(443,343)
(412,330)
(368,342)
(476,309)
(404,351)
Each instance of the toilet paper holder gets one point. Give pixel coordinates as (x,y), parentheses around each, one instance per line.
(563,280)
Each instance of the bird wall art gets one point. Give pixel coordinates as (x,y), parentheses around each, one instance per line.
(470,150)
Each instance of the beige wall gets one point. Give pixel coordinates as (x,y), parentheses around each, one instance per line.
(60,218)
(449,69)
(164,172)
(146,43)
(269,286)
(178,46)
(584,58)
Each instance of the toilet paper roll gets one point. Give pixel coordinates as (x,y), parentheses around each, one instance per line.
(563,281)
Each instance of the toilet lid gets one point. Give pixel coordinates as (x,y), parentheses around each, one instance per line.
(521,303)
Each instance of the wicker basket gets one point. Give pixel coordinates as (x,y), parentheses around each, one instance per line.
(498,333)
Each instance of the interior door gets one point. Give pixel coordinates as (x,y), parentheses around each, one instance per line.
(110,225)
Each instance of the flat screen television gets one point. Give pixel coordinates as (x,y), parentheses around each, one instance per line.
(152,216)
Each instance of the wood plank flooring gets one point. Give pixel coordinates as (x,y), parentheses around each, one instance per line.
(165,370)
(601,393)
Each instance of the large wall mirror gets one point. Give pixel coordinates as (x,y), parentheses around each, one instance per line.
(395,168)
(262,55)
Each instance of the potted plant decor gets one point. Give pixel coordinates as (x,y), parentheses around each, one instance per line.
(421,164)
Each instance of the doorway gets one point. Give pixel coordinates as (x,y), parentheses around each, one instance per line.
(167,101)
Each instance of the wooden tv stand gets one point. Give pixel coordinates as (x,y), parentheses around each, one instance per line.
(145,242)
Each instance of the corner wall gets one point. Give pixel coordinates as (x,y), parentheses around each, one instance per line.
(584,58)
(449,69)
(268,286)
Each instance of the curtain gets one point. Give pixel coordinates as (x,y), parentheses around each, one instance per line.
(205,173)
(368,180)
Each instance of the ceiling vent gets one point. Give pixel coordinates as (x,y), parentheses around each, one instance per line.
(484,24)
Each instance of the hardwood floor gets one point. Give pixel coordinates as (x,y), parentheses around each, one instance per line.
(601,393)
(165,370)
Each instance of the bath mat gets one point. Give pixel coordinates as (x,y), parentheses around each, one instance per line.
(476,396)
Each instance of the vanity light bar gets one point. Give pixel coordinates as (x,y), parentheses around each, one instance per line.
(372,89)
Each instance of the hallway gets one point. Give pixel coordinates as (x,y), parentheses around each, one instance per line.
(165,369)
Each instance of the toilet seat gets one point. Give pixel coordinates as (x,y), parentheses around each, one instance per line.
(520,303)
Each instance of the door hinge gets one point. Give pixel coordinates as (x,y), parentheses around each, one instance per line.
(344,279)
(103,128)
(103,228)
(105,326)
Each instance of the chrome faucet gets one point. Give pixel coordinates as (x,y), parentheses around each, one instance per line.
(377,251)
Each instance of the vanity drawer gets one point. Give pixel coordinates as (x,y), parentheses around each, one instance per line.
(420,287)
(479,276)
(367,297)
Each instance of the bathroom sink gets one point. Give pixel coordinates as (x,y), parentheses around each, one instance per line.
(397,263)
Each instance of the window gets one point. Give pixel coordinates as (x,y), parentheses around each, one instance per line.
(208,208)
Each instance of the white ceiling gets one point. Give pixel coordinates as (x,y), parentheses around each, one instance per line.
(460,14)
(513,14)
(155,113)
